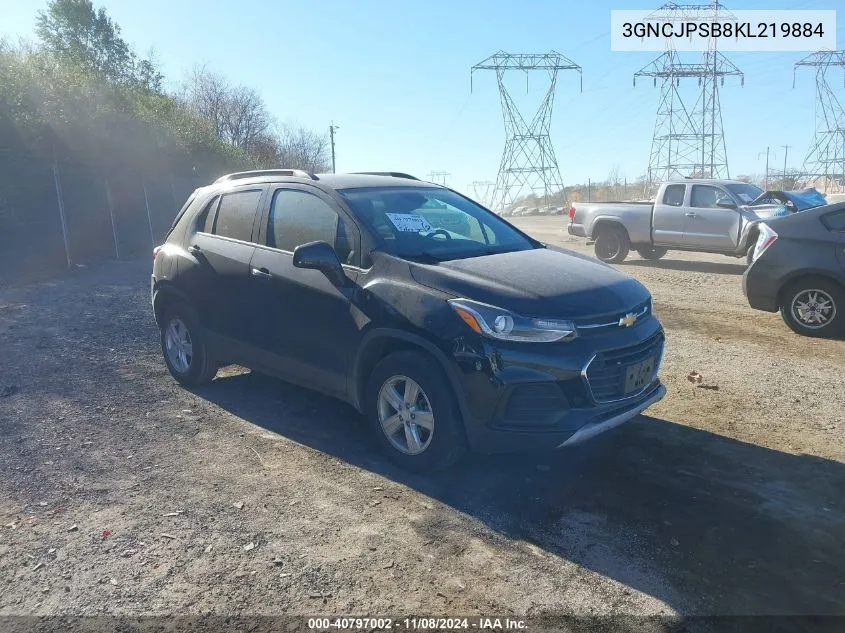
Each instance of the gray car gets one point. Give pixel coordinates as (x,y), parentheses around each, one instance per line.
(798,267)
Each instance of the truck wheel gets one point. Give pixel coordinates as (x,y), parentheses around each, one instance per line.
(413,413)
(652,254)
(612,244)
(814,306)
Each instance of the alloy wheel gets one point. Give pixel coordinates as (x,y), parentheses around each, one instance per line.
(405,415)
(813,308)
(178,344)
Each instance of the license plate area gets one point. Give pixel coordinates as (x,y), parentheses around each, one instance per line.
(639,375)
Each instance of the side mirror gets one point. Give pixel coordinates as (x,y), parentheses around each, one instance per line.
(725,203)
(320,256)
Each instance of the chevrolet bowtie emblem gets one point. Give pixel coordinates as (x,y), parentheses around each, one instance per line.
(628,320)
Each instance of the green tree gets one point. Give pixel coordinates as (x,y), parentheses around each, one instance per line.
(77,33)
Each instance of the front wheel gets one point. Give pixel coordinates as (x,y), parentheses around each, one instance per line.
(184,346)
(612,244)
(414,414)
(814,307)
(653,253)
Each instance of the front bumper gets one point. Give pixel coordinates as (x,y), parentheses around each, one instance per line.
(538,397)
(591,429)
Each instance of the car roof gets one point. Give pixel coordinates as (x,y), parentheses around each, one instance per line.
(808,215)
(326,181)
(708,181)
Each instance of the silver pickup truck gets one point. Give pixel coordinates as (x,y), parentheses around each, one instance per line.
(708,216)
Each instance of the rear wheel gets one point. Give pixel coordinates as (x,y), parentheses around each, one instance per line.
(413,413)
(653,253)
(612,244)
(814,307)
(184,346)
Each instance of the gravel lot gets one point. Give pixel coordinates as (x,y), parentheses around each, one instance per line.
(122,493)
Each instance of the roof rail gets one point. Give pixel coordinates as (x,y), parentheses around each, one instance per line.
(295,173)
(395,174)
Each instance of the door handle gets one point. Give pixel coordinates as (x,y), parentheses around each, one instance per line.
(261,273)
(194,249)
(689,214)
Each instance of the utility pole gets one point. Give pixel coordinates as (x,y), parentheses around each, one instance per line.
(332,128)
(783,180)
(766,179)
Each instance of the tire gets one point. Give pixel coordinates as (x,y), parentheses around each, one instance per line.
(824,297)
(199,367)
(612,244)
(434,449)
(652,254)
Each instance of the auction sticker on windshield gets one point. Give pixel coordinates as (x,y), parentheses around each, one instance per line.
(409,222)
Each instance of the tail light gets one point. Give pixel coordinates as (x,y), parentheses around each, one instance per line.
(766,238)
(156,251)
(572,212)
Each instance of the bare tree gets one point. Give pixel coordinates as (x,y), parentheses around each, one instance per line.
(237,114)
(301,148)
(208,94)
(245,118)
(615,176)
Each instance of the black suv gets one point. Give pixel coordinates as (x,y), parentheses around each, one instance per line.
(441,322)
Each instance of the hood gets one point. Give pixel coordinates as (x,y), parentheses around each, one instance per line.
(763,211)
(538,282)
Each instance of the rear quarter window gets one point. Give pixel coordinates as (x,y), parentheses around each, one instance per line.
(674,195)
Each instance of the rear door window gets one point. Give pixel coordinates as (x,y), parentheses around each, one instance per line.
(674,195)
(236,214)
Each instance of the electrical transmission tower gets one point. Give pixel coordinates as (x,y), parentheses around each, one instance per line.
(482,191)
(528,161)
(440,177)
(825,159)
(688,141)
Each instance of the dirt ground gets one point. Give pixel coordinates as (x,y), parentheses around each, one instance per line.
(121,492)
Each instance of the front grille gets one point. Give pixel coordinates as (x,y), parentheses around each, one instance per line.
(535,405)
(607,372)
(601,324)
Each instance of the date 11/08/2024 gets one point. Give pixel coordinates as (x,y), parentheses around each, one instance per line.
(416,624)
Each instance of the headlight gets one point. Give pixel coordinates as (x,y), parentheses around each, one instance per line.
(507,326)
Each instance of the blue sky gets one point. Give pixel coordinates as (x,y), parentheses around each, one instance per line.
(395,77)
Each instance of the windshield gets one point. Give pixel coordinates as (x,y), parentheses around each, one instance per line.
(745,192)
(432,223)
